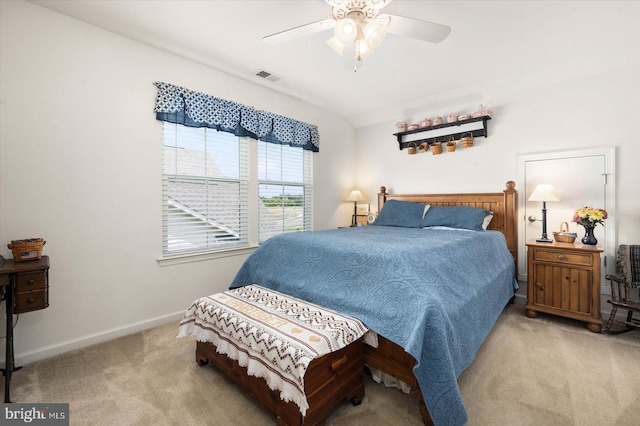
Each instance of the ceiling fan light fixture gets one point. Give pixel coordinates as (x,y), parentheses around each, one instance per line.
(374,33)
(362,49)
(336,45)
(346,31)
(358,24)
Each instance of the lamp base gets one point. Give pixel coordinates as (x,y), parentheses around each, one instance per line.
(544,240)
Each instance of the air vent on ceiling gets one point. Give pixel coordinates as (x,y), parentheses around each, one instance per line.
(267,75)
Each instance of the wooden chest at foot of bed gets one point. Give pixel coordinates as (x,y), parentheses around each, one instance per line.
(329,380)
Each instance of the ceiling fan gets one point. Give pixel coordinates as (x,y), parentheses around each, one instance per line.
(360,23)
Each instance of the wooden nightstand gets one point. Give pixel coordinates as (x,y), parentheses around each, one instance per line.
(564,279)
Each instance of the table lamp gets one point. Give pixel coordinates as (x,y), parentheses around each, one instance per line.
(544,192)
(355,196)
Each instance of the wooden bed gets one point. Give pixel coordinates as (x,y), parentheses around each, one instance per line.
(389,357)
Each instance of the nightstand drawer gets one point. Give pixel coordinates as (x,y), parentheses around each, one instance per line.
(31,282)
(563,257)
(28,302)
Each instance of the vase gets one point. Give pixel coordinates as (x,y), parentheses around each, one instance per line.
(589,238)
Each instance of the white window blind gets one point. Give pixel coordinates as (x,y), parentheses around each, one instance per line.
(205,190)
(285,182)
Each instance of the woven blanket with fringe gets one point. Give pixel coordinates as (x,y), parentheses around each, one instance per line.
(275,336)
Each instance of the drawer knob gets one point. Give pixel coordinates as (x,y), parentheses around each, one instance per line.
(31,282)
(30,301)
(540,286)
(561,257)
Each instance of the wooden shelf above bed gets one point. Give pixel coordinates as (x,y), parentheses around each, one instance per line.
(443,132)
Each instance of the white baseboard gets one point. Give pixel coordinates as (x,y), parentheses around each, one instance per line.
(521,298)
(92,339)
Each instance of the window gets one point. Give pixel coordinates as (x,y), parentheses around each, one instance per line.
(285,185)
(207,185)
(205,190)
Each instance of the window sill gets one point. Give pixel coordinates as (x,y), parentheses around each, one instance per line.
(179,259)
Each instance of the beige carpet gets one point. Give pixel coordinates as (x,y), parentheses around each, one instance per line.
(543,371)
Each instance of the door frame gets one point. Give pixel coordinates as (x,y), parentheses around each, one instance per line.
(609,153)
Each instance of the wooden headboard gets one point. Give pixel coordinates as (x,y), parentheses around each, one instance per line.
(504,206)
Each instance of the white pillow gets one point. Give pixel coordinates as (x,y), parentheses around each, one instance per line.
(426,207)
(487,221)
(450,228)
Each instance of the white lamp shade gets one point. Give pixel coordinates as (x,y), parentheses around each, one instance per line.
(363,49)
(346,31)
(336,45)
(374,33)
(355,196)
(544,192)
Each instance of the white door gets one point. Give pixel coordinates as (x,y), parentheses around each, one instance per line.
(581,178)
(579,182)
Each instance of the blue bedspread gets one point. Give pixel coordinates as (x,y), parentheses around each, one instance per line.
(435,292)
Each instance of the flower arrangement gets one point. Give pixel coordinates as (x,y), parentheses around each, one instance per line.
(588,216)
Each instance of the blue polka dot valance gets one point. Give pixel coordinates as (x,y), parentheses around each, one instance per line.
(176,104)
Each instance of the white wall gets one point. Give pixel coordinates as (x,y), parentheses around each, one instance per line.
(80,165)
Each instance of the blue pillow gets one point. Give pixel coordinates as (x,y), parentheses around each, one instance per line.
(401,213)
(463,217)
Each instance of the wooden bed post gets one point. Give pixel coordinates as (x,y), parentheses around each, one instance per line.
(382,197)
(511,220)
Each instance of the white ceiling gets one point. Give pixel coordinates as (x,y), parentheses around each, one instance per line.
(489,41)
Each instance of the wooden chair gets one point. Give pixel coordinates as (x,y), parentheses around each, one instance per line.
(625,287)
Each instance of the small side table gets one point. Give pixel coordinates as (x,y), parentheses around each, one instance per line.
(26,289)
(564,280)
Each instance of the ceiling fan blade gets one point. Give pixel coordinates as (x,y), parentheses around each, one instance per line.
(417,28)
(298,32)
